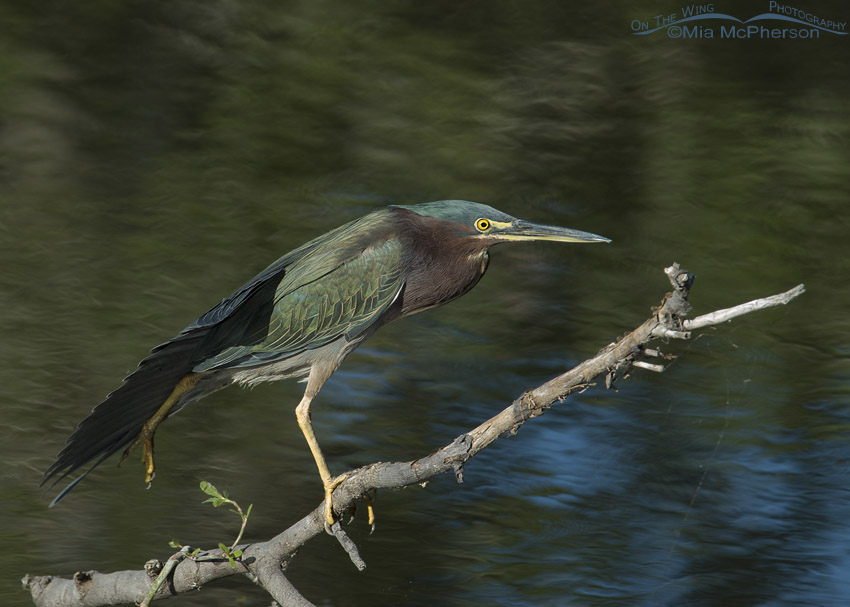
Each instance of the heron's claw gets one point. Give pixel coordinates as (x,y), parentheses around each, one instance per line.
(370,510)
(145,436)
(145,439)
(330,485)
(147,458)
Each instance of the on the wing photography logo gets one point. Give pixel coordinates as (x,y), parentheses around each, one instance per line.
(702,21)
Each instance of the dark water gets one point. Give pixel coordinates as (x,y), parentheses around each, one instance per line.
(154,156)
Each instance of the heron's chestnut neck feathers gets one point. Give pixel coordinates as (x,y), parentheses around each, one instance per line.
(442,261)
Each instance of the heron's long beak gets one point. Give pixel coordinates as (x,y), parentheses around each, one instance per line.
(525,230)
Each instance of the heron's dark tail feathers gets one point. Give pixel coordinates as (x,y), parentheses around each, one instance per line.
(115,422)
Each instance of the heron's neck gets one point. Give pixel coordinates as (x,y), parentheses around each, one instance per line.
(442,266)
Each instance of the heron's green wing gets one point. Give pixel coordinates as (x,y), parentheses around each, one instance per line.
(312,309)
(236,332)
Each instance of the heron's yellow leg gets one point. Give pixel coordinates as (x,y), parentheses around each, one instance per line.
(302,413)
(145,436)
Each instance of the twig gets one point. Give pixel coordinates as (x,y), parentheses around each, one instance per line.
(648,366)
(170,564)
(348,545)
(727,314)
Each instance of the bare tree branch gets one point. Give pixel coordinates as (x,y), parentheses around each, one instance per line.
(264,562)
(270,576)
(715,318)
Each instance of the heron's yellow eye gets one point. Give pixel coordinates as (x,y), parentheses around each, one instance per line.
(482,225)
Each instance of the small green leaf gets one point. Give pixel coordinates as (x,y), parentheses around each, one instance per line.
(248,511)
(175,544)
(236,554)
(223,548)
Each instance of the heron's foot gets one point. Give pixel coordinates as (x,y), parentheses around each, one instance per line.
(370,511)
(330,485)
(145,439)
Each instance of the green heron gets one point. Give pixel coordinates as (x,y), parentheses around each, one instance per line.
(300,317)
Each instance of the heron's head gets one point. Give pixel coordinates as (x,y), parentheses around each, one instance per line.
(490,226)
